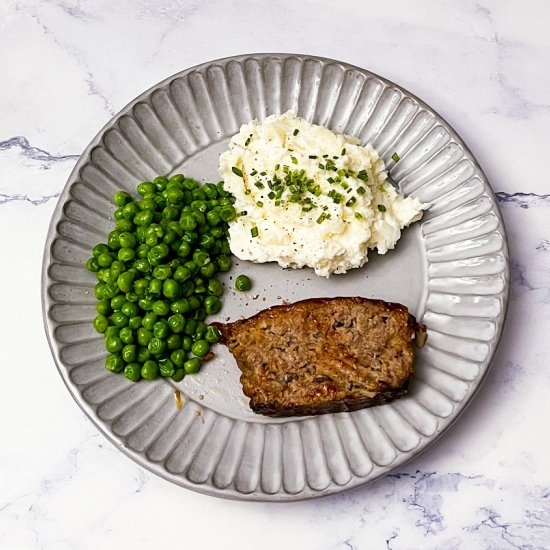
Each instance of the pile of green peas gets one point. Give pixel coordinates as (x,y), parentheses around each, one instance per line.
(157,277)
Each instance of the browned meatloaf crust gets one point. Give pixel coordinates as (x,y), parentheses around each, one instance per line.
(323,355)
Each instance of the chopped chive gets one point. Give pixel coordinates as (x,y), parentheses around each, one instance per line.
(343,152)
(351,201)
(325,156)
(259,185)
(381,207)
(260,203)
(294,160)
(254,172)
(358,215)
(277,166)
(313,156)
(362,175)
(361,190)
(321,166)
(330,180)
(237,172)
(395,157)
(263,173)
(248,140)
(295,133)
(271,195)
(321,218)
(254,232)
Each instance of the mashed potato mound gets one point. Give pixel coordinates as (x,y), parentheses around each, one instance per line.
(308,196)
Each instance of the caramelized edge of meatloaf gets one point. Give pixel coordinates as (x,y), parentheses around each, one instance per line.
(323,355)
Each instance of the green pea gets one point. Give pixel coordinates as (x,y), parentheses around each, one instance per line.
(200,348)
(119,319)
(174,196)
(210,190)
(155,287)
(187,222)
(200,257)
(127,240)
(161,329)
(141,286)
(143,354)
(146,304)
(194,302)
(199,217)
(130,210)
(112,332)
(144,336)
(126,335)
(105,259)
(113,344)
(161,182)
(192,267)
(110,290)
(190,184)
(215,287)
(217,232)
(187,289)
(227,213)
(92,265)
(223,262)
(126,254)
(149,320)
(186,343)
(121,198)
(162,272)
(212,335)
(142,251)
(101,323)
(125,281)
(132,371)
(149,370)
(184,250)
(135,322)
(129,309)
(156,346)
(180,306)
(170,213)
(114,363)
(179,375)
(145,188)
(161,307)
(190,327)
(208,270)
(243,283)
(173,341)
(104,307)
(129,353)
(213,218)
(212,305)
(182,274)
(200,285)
(148,203)
(104,274)
(176,178)
(178,357)
(200,205)
(176,323)
(131,297)
(174,264)
(199,314)
(143,218)
(124,225)
(99,249)
(166,367)
(117,267)
(193,365)
(171,289)
(201,329)
(159,251)
(226,249)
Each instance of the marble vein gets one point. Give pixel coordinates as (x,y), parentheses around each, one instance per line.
(34,153)
(522,199)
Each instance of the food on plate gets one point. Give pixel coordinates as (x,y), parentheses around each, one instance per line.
(243,283)
(157,277)
(308,196)
(323,355)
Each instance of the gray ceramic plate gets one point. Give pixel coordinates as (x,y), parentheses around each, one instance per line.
(451,270)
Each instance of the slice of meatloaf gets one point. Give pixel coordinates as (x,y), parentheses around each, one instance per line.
(323,355)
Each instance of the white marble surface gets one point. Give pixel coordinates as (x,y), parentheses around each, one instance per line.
(67,66)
